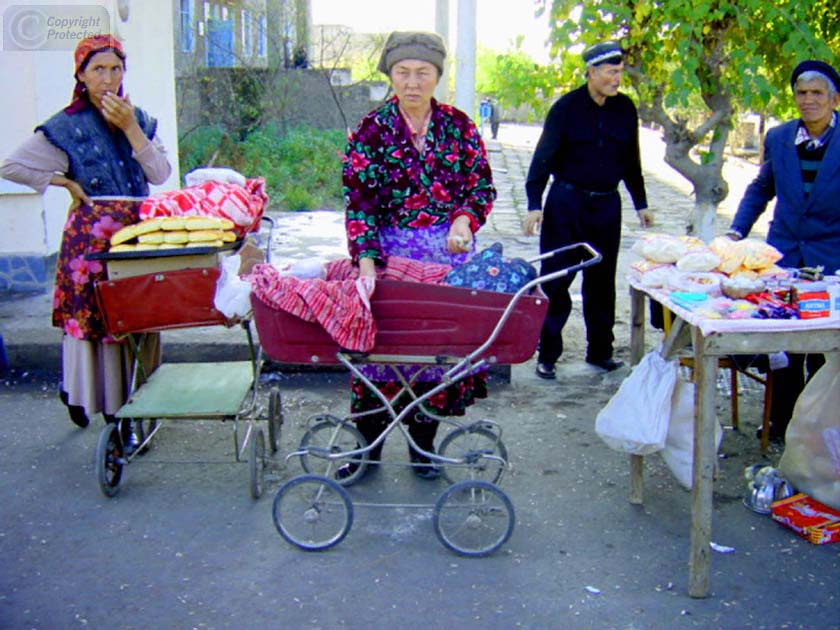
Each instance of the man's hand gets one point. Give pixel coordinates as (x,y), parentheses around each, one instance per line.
(532,223)
(646,217)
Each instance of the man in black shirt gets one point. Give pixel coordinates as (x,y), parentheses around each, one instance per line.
(589,143)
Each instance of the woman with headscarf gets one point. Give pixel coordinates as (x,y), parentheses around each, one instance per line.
(417,184)
(105,152)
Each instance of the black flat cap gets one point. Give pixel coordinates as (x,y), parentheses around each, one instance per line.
(603,52)
(819,66)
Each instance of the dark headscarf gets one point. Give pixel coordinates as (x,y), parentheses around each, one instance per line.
(84,51)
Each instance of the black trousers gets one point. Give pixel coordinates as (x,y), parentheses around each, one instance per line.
(573,216)
(788,383)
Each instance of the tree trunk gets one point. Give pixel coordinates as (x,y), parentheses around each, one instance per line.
(703,220)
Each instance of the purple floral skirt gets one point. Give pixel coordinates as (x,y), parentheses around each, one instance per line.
(88,230)
(425,245)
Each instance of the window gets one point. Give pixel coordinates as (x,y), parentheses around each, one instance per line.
(247,33)
(186,34)
(261,36)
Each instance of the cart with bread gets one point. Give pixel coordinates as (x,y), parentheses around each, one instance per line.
(162,274)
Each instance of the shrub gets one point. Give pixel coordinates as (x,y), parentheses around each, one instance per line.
(301,167)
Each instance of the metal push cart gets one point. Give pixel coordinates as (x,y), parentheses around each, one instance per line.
(463,330)
(152,291)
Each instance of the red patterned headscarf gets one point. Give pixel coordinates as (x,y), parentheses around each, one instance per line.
(84,51)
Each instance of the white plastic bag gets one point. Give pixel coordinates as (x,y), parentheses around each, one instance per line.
(635,420)
(679,446)
(811,461)
(233,294)
(223,175)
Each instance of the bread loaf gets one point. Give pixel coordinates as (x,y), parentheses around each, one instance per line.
(177,236)
(151,237)
(123,235)
(205,235)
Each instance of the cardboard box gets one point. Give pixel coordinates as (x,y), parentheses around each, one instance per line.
(815,522)
(130,267)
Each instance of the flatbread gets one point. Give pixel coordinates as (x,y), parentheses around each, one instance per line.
(202,223)
(228,236)
(178,236)
(205,235)
(123,247)
(151,237)
(149,225)
(218,243)
(124,235)
(172,223)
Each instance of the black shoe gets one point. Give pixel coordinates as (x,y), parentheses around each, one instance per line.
(345,471)
(546,371)
(426,470)
(77,413)
(606,364)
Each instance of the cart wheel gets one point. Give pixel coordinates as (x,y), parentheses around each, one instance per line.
(256,463)
(143,428)
(312,512)
(275,419)
(468,444)
(335,436)
(473,518)
(109,460)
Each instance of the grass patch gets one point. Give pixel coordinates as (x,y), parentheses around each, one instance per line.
(301,167)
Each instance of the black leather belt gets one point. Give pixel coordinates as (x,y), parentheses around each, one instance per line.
(583,191)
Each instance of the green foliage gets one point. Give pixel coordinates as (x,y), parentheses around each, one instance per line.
(516,81)
(302,167)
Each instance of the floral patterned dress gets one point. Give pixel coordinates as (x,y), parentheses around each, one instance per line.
(401,201)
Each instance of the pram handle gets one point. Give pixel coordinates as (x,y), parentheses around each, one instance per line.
(594,257)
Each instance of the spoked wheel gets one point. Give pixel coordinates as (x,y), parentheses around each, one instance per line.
(109,460)
(333,435)
(469,444)
(275,419)
(473,518)
(312,512)
(143,428)
(256,463)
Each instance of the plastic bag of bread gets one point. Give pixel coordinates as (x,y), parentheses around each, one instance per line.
(663,248)
(698,259)
(758,254)
(730,253)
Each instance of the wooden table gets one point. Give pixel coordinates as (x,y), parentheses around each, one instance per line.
(710,339)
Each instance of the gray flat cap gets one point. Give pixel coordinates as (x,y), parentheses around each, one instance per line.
(603,52)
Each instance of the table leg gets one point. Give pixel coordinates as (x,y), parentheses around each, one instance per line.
(705,374)
(637,350)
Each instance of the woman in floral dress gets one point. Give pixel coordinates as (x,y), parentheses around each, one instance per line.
(99,147)
(417,184)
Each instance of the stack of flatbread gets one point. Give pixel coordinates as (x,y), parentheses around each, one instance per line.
(173,233)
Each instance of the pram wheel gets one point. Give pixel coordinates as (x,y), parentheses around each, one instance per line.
(469,444)
(275,419)
(109,460)
(312,512)
(333,435)
(256,463)
(473,518)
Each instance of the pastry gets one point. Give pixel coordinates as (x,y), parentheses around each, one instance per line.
(151,237)
(123,235)
(205,235)
(178,236)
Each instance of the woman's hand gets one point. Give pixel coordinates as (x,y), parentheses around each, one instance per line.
(532,223)
(459,239)
(77,193)
(118,111)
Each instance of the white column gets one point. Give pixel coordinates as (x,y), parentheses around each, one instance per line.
(465,58)
(442,29)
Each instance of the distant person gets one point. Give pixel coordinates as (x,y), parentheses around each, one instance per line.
(801,170)
(484,112)
(102,149)
(590,142)
(417,184)
(494,119)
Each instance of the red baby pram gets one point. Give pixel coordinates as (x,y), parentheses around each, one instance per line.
(463,330)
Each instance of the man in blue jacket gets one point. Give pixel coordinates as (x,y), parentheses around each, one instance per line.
(802,170)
